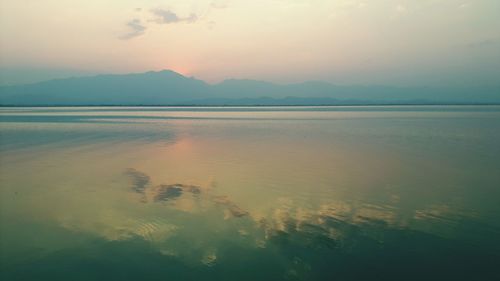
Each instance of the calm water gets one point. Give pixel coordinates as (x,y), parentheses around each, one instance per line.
(273,193)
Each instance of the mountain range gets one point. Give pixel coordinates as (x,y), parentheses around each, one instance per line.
(170,88)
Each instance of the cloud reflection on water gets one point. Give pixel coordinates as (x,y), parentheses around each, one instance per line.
(217,193)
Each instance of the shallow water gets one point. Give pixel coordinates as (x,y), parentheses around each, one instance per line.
(250,193)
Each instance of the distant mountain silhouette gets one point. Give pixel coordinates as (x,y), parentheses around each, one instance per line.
(170,88)
(163,87)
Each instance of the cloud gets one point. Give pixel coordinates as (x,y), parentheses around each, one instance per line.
(137,29)
(169,17)
(218,4)
(163,16)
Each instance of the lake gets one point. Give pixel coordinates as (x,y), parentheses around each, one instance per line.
(250,193)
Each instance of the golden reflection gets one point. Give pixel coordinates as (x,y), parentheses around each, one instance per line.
(195,187)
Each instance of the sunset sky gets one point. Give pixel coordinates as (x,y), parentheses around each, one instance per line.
(390,42)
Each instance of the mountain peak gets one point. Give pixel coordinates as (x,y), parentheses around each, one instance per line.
(164,72)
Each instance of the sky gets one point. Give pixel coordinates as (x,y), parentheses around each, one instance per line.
(371,42)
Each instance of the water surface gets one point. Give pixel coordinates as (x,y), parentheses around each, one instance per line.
(250,193)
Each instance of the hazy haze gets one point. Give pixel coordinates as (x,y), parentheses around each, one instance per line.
(391,42)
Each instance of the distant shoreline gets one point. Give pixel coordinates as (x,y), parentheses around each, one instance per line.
(259,105)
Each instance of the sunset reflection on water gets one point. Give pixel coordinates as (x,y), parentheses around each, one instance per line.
(307,198)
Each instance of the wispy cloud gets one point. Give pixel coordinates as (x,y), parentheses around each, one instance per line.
(164,16)
(170,17)
(218,4)
(137,29)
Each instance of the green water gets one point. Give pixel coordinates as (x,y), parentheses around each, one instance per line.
(242,193)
